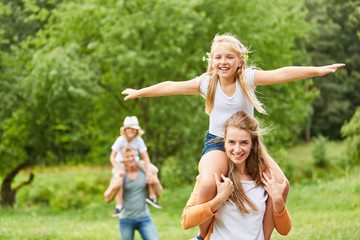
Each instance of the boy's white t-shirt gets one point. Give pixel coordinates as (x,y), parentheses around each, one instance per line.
(230,223)
(225,106)
(137,144)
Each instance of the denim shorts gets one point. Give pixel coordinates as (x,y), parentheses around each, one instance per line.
(213,142)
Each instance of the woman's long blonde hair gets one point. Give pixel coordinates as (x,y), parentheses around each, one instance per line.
(256,162)
(240,51)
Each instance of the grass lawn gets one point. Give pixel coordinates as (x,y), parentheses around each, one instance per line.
(301,154)
(327,210)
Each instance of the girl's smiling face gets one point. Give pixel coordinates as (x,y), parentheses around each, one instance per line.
(131,133)
(225,62)
(238,145)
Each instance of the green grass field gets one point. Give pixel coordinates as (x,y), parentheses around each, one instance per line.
(302,154)
(327,209)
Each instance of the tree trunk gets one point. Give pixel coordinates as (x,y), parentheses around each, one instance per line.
(7,194)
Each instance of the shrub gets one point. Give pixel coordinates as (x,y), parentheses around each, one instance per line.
(351,132)
(319,151)
(66,190)
(176,173)
(282,158)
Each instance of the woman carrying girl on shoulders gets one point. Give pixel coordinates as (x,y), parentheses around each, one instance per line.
(241,208)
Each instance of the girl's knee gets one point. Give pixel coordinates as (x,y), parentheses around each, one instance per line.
(214,160)
(207,189)
(208,174)
(207,182)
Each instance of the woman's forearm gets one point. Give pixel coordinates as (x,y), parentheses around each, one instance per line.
(282,222)
(216,202)
(278,205)
(194,215)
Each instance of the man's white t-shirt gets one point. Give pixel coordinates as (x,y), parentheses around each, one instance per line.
(225,106)
(137,144)
(230,223)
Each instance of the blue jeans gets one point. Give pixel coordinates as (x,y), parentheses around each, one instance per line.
(144,225)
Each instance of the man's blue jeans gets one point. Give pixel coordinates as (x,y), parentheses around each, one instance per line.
(144,225)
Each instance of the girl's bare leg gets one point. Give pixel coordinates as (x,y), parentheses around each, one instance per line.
(213,161)
(119,197)
(151,191)
(111,191)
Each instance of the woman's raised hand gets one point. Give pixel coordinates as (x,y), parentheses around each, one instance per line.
(273,188)
(224,187)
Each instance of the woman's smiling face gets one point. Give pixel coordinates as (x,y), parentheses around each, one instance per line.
(238,145)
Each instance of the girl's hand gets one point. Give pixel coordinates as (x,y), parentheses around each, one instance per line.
(273,188)
(329,68)
(224,188)
(131,93)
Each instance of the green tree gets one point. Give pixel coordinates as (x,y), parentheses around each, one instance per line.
(79,62)
(48,116)
(64,82)
(335,39)
(22,18)
(16,25)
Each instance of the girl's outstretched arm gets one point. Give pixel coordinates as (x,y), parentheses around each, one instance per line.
(288,74)
(163,89)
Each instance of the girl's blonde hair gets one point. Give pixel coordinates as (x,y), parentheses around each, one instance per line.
(240,51)
(256,162)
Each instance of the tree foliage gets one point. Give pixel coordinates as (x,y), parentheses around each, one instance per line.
(335,39)
(63,79)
